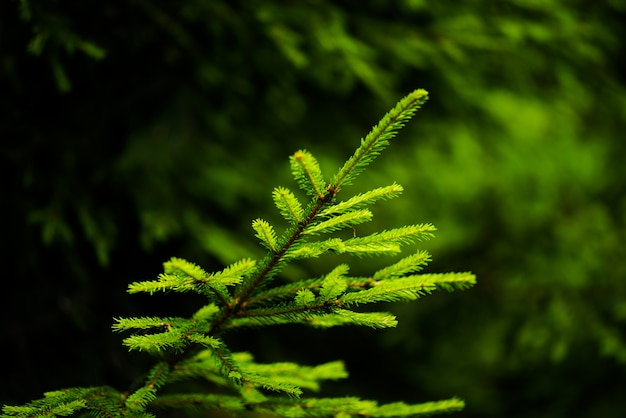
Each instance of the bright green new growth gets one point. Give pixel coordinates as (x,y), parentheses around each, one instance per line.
(245,294)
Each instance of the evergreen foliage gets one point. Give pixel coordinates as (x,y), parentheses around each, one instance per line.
(130,132)
(247,293)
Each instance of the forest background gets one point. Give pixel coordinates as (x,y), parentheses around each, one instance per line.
(140,130)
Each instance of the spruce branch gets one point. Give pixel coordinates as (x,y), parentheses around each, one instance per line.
(176,333)
(335,223)
(403,235)
(408,288)
(100,400)
(315,249)
(227,365)
(284,292)
(270,264)
(378,138)
(296,375)
(288,205)
(359,200)
(243,295)
(206,313)
(400,409)
(179,267)
(157,377)
(341,317)
(301,310)
(265,232)
(248,381)
(379,243)
(309,177)
(272,384)
(307,173)
(125,324)
(334,284)
(411,264)
(182,276)
(351,406)
(202,364)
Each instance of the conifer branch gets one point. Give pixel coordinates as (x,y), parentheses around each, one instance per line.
(341,317)
(351,406)
(156,378)
(410,264)
(202,364)
(182,276)
(240,295)
(265,232)
(408,288)
(300,376)
(309,177)
(359,200)
(270,263)
(268,383)
(312,407)
(298,312)
(101,400)
(344,220)
(225,362)
(334,284)
(206,313)
(378,138)
(284,292)
(315,249)
(307,173)
(288,205)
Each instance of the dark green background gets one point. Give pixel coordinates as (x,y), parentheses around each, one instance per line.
(139,130)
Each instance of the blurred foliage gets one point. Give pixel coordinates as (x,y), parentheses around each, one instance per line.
(142,130)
